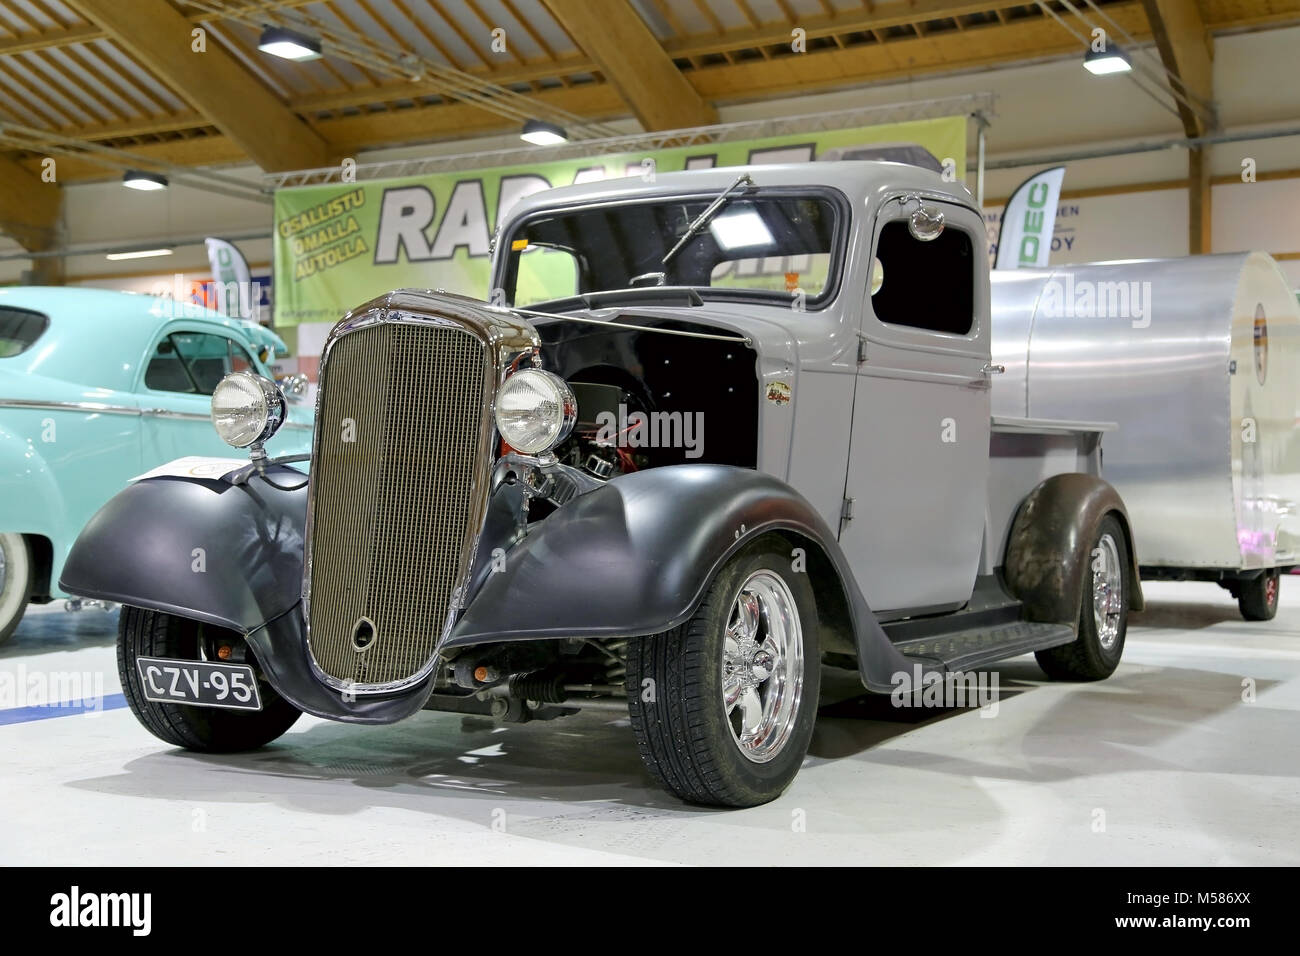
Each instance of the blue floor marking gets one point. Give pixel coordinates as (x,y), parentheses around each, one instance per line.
(22,715)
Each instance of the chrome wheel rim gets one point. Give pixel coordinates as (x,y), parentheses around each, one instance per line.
(2,567)
(762,666)
(1107,591)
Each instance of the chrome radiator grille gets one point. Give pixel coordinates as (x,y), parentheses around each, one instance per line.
(392,508)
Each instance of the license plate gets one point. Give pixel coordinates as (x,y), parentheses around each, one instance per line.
(198,683)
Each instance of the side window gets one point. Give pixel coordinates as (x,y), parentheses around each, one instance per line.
(19,329)
(924,285)
(545,272)
(194,362)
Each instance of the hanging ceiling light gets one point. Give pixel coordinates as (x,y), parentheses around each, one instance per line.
(289,44)
(540,133)
(1110,60)
(137,254)
(136,179)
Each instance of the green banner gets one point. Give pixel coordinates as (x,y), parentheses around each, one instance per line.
(339,245)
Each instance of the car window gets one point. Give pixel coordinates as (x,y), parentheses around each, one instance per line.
(19,329)
(194,362)
(552,273)
(907,293)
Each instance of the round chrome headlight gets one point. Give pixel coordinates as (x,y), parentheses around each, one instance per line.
(247,409)
(535,411)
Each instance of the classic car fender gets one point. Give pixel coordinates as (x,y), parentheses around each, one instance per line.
(635,557)
(229,555)
(1045,560)
(30,500)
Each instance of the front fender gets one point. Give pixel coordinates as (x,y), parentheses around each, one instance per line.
(635,557)
(229,555)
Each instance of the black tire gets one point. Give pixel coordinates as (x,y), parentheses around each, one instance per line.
(1257,597)
(15,583)
(1087,658)
(144,633)
(683,733)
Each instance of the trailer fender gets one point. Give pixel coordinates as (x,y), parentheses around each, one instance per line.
(225,554)
(1048,547)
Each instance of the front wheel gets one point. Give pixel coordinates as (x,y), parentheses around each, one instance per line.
(16,573)
(723,706)
(1103,617)
(143,633)
(1257,597)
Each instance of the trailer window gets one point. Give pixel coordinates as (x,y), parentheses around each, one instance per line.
(927,285)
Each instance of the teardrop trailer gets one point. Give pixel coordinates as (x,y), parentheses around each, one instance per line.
(470,541)
(1206,455)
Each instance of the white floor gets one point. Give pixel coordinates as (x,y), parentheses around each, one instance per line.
(1164,763)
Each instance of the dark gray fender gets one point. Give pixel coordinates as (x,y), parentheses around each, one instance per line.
(635,557)
(139,549)
(1046,556)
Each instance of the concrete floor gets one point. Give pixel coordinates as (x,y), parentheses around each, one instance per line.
(1164,763)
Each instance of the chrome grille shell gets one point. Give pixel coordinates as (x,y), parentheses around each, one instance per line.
(394,515)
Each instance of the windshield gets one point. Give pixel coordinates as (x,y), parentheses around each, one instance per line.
(769,246)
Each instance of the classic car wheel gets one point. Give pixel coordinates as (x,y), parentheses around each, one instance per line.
(143,633)
(723,707)
(1103,618)
(16,572)
(1257,598)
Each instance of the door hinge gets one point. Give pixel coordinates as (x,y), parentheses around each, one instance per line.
(846,510)
(862,349)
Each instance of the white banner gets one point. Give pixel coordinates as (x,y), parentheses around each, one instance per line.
(1025,240)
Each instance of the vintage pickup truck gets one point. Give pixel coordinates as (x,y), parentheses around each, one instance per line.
(708,434)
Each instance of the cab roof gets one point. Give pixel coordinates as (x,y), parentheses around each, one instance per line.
(859,180)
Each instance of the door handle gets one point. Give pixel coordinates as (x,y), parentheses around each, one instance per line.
(991,369)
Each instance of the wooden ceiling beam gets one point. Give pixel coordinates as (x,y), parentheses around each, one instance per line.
(1184,47)
(1183,42)
(86,32)
(29,207)
(215,83)
(630,57)
(876,17)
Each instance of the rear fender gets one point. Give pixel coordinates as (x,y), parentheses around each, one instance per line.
(1047,555)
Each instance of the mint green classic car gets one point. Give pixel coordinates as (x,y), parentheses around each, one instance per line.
(97,387)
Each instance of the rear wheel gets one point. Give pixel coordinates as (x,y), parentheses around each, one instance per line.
(16,574)
(1257,597)
(1103,617)
(723,707)
(143,633)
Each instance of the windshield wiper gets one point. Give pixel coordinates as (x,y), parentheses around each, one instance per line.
(703,218)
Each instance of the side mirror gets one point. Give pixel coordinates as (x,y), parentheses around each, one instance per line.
(925,223)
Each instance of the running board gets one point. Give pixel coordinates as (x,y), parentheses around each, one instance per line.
(974,647)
